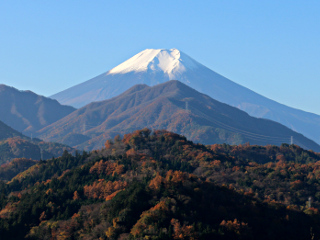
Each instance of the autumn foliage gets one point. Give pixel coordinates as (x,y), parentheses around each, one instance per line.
(159,185)
(102,190)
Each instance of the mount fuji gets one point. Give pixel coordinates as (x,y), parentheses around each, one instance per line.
(154,66)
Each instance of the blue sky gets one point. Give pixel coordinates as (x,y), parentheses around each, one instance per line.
(271,47)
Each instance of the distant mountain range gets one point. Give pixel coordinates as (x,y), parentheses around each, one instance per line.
(173,106)
(154,66)
(28,112)
(15,145)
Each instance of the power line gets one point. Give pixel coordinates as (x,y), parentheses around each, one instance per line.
(300,144)
(250,135)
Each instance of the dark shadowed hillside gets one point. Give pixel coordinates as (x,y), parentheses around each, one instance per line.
(13,168)
(8,132)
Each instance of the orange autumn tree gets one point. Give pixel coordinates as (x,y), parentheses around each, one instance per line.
(107,167)
(234,226)
(101,189)
(148,219)
(182,232)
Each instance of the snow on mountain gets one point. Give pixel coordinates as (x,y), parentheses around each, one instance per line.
(168,61)
(151,67)
(154,66)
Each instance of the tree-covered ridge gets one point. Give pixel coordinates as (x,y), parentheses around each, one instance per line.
(24,147)
(269,153)
(13,145)
(11,169)
(159,185)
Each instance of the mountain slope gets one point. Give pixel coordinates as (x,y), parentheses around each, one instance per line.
(15,145)
(16,166)
(154,66)
(8,132)
(28,112)
(173,106)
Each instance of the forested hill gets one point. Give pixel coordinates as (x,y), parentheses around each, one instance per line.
(13,145)
(17,165)
(159,185)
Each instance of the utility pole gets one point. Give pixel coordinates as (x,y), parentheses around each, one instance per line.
(41,153)
(187,107)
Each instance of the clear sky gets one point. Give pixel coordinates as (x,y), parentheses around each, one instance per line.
(271,47)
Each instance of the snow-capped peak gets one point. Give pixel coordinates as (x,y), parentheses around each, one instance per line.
(169,61)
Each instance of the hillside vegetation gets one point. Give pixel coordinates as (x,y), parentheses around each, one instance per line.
(159,185)
(17,165)
(13,145)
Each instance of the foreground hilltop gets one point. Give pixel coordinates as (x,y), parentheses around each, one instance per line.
(154,66)
(173,106)
(161,186)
